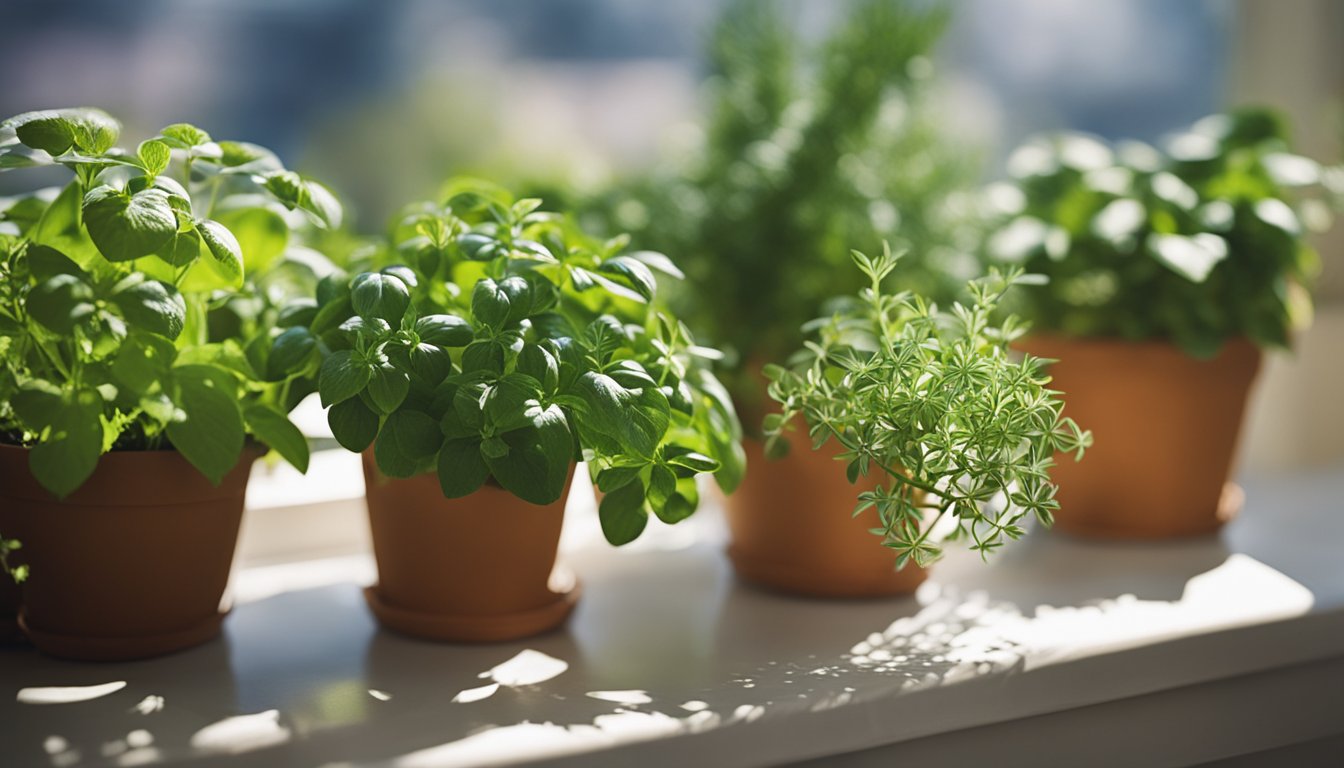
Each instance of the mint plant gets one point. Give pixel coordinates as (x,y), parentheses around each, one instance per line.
(113,334)
(1196,244)
(933,401)
(490,341)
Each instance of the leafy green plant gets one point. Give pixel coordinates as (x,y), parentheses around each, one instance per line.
(1197,244)
(492,342)
(17,572)
(808,147)
(138,303)
(933,401)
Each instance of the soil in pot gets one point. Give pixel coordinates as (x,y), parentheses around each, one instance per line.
(793,529)
(476,569)
(1165,427)
(131,565)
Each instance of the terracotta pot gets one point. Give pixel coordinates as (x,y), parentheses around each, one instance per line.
(474,570)
(1165,426)
(793,529)
(132,564)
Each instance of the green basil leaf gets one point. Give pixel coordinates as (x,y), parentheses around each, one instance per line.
(56,131)
(622,514)
(380,296)
(461,468)
(143,361)
(388,387)
(489,304)
(635,272)
(126,227)
(612,478)
(512,402)
(37,402)
(261,233)
(447,331)
(430,364)
(637,419)
(211,433)
(538,461)
(483,356)
(541,365)
(65,458)
(353,424)
(45,262)
(662,485)
(184,136)
(154,156)
(685,457)
(279,433)
(342,376)
(61,302)
(407,444)
(290,353)
(224,248)
(151,305)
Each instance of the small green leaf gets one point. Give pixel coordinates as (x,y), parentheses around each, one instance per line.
(211,433)
(447,331)
(538,461)
(56,131)
(126,227)
(622,514)
(541,365)
(377,295)
(290,353)
(224,248)
(461,468)
(388,387)
(279,433)
(184,136)
(489,304)
(635,272)
(342,376)
(151,305)
(662,485)
(407,444)
(353,424)
(143,361)
(154,156)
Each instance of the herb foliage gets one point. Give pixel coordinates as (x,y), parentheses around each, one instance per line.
(490,341)
(139,302)
(933,401)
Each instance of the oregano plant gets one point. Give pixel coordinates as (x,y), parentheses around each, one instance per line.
(492,342)
(962,433)
(114,333)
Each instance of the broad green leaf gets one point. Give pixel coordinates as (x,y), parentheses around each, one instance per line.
(692,460)
(68,452)
(353,424)
(1191,257)
(658,261)
(538,462)
(612,478)
(444,330)
(382,296)
(45,262)
(262,235)
(211,433)
(483,356)
(143,361)
(662,485)
(61,302)
(511,401)
(322,204)
(56,131)
(407,444)
(489,303)
(461,468)
(637,418)
(126,227)
(37,402)
(622,514)
(184,136)
(342,376)
(388,387)
(224,248)
(290,353)
(151,305)
(537,362)
(154,156)
(276,430)
(634,271)
(431,364)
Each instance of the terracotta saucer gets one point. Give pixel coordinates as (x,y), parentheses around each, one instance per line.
(121,648)
(491,628)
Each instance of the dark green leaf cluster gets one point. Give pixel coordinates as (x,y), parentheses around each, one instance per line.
(964,434)
(809,148)
(17,572)
(492,342)
(138,303)
(1195,244)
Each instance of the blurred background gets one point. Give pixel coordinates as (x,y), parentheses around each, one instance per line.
(383,100)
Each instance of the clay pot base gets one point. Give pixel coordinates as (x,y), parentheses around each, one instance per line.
(790,579)
(1230,503)
(85,648)
(493,628)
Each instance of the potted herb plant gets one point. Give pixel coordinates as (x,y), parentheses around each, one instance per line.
(945,434)
(128,422)
(496,348)
(1168,272)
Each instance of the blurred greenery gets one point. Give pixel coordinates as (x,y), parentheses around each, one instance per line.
(1196,244)
(809,150)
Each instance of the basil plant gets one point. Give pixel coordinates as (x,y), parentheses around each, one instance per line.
(139,301)
(1195,243)
(491,342)
(962,433)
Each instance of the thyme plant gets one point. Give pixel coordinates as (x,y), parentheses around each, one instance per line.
(932,400)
